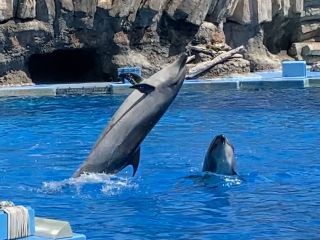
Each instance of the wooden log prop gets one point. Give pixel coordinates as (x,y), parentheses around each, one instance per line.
(202,50)
(204,66)
(191,58)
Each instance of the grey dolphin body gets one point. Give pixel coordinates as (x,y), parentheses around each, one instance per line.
(119,144)
(220,157)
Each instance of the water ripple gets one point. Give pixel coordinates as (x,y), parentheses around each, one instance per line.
(276,138)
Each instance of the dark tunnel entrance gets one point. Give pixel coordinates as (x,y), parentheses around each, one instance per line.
(65,66)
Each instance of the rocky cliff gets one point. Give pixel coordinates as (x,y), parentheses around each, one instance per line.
(86,40)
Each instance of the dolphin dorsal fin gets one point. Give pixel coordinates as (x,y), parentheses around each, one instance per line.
(134,160)
(144,88)
(131,77)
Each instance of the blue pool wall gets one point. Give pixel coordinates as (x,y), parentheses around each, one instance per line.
(257,80)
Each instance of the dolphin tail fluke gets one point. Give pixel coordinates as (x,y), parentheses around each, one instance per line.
(134,161)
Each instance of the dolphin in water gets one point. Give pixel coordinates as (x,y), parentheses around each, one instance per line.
(220,157)
(119,144)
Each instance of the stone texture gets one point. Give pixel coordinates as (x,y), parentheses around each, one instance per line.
(259,57)
(252,12)
(262,11)
(193,11)
(297,6)
(209,33)
(26,9)
(45,10)
(311,49)
(295,50)
(232,66)
(308,30)
(285,7)
(311,3)
(15,78)
(221,9)
(66,5)
(6,10)
(311,14)
(133,59)
(242,14)
(315,67)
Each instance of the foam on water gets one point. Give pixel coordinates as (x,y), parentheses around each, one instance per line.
(215,180)
(91,182)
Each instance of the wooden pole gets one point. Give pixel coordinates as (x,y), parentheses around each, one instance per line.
(202,50)
(191,58)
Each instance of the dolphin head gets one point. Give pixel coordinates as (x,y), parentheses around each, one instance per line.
(173,75)
(220,157)
(178,70)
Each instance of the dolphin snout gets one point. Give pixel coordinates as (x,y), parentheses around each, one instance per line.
(182,60)
(221,138)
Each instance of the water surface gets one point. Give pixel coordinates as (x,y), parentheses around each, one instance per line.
(276,138)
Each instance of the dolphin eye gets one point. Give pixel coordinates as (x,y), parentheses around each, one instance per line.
(173,84)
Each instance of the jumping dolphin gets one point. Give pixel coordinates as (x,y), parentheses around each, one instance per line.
(220,157)
(119,144)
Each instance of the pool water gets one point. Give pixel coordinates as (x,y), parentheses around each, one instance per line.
(277,144)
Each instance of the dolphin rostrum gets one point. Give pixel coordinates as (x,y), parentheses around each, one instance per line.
(220,157)
(119,144)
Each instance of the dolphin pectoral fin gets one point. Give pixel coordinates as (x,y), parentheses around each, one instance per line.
(134,161)
(131,77)
(144,88)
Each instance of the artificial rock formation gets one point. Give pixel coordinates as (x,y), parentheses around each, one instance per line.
(86,40)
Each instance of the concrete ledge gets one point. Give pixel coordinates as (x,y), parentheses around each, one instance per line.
(313,83)
(211,84)
(74,237)
(83,91)
(272,84)
(118,88)
(83,88)
(259,80)
(27,91)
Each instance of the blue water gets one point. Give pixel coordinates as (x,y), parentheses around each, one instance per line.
(276,138)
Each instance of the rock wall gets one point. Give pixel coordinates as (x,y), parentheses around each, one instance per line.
(147,33)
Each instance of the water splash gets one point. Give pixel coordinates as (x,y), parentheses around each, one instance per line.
(87,184)
(215,180)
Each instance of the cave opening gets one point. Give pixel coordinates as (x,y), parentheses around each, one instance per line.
(66,66)
(280,33)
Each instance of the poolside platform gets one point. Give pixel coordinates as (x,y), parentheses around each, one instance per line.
(38,228)
(74,237)
(254,81)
